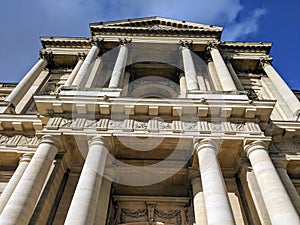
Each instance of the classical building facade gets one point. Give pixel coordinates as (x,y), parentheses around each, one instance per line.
(150,121)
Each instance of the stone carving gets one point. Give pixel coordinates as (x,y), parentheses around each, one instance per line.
(162,125)
(128,125)
(238,126)
(115,124)
(227,128)
(168,215)
(20,140)
(204,126)
(189,126)
(54,123)
(133,214)
(140,125)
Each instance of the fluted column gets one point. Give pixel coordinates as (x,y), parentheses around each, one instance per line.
(86,66)
(23,86)
(276,199)
(104,196)
(218,209)
(213,75)
(288,184)
(83,207)
(22,202)
(222,70)
(198,198)
(284,90)
(118,72)
(75,70)
(14,180)
(189,69)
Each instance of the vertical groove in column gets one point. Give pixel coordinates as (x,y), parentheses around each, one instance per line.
(217,204)
(22,202)
(276,199)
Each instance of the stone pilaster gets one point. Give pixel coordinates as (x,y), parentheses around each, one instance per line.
(198,197)
(14,180)
(288,184)
(218,209)
(23,200)
(104,197)
(83,207)
(276,199)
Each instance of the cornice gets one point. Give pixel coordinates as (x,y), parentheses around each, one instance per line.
(264,47)
(69,42)
(154,31)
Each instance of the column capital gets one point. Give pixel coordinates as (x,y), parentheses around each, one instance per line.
(124,41)
(81,56)
(99,140)
(47,56)
(186,44)
(265,61)
(212,45)
(50,139)
(26,157)
(206,143)
(255,145)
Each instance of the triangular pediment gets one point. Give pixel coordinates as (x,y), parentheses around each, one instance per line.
(156,23)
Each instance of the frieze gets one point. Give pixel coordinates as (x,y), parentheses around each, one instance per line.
(156,126)
(18,140)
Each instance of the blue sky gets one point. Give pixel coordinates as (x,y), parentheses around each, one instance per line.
(23,22)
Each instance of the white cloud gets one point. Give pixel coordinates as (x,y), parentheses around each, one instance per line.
(227,13)
(247,26)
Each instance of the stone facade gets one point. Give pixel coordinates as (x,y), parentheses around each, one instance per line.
(150,121)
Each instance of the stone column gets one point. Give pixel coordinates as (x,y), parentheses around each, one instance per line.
(288,184)
(83,207)
(198,198)
(14,180)
(118,72)
(23,200)
(183,86)
(218,209)
(104,197)
(222,70)
(75,70)
(276,199)
(86,66)
(23,86)
(189,69)
(284,90)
